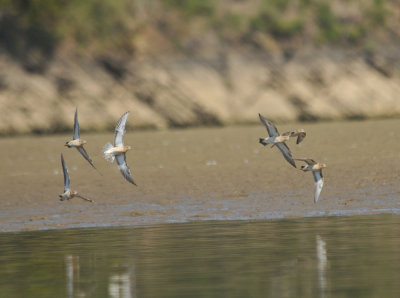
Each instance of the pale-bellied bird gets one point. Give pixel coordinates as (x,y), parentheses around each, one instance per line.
(299,133)
(277,140)
(316,169)
(78,143)
(68,193)
(119,149)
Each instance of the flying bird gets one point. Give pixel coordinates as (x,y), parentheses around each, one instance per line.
(276,140)
(316,169)
(119,149)
(78,143)
(299,133)
(68,193)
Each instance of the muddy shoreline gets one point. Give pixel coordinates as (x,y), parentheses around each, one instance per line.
(201,174)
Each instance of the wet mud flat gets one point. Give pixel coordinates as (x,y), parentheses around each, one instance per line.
(201,174)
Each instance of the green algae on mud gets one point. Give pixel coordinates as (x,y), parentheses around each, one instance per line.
(201,174)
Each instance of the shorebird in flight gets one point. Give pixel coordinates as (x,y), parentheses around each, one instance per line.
(316,169)
(299,133)
(119,149)
(68,193)
(78,143)
(277,140)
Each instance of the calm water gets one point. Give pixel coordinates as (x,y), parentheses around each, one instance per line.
(315,257)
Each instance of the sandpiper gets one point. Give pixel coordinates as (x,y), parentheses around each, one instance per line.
(68,193)
(276,139)
(316,169)
(299,133)
(78,143)
(119,149)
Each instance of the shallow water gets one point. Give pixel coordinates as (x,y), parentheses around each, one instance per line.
(311,257)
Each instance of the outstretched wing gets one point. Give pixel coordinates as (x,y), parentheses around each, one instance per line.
(289,133)
(75,135)
(123,167)
(286,153)
(319,183)
(300,137)
(272,130)
(66,175)
(308,161)
(120,130)
(85,155)
(83,198)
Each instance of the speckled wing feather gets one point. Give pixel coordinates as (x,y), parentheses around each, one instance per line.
(123,167)
(120,130)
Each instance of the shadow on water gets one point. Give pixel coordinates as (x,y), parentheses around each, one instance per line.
(315,257)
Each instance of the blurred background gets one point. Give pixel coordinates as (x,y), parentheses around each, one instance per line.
(182,63)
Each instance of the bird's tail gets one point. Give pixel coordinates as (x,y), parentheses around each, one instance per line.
(107,155)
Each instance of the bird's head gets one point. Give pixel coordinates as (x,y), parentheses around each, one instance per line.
(262,141)
(66,144)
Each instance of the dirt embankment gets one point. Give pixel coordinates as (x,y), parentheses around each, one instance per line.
(221,87)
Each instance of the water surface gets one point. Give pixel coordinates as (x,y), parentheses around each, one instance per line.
(355,256)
